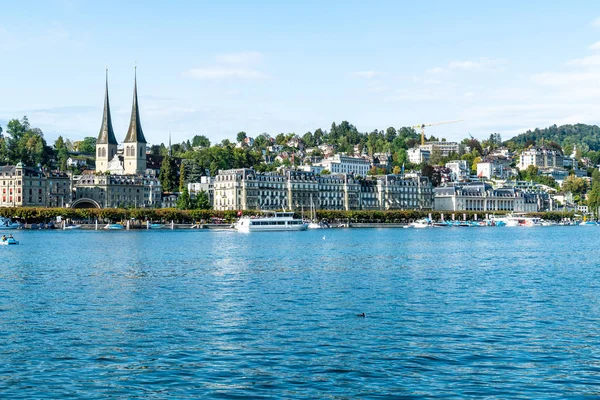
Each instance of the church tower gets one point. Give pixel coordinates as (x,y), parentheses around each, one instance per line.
(106,144)
(134,159)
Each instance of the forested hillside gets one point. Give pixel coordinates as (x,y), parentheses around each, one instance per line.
(586,137)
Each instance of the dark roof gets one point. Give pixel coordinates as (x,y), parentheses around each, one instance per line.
(106,135)
(135,133)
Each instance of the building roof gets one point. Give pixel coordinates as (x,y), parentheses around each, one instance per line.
(106,135)
(135,133)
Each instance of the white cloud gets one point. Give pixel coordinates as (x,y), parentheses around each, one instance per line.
(366,74)
(464,65)
(567,79)
(435,70)
(482,63)
(241,58)
(469,94)
(595,46)
(432,82)
(589,61)
(9,41)
(379,89)
(219,72)
(242,65)
(596,23)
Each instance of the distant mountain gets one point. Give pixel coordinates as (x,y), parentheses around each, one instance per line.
(585,137)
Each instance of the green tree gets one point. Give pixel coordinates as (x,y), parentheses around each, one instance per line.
(202,201)
(241,136)
(182,176)
(200,141)
(575,185)
(88,145)
(62,153)
(396,170)
(26,144)
(168,175)
(594,194)
(183,201)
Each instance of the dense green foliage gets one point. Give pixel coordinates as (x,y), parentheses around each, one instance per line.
(22,143)
(594,194)
(585,137)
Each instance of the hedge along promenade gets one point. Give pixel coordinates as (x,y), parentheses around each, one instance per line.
(41,214)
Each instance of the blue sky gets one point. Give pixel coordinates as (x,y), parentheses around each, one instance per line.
(218,67)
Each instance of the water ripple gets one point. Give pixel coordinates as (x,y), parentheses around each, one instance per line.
(467,313)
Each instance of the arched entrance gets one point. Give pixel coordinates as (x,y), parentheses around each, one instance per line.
(85,203)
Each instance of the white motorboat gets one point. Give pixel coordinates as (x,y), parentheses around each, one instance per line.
(6,223)
(114,226)
(314,225)
(68,227)
(421,223)
(279,221)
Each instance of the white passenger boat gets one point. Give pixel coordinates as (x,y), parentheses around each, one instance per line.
(279,221)
(515,220)
(6,223)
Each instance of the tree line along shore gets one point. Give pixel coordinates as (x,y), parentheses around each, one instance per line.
(41,214)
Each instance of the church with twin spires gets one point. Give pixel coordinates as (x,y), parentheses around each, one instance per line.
(125,176)
(133,158)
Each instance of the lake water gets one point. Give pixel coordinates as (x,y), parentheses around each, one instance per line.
(452,312)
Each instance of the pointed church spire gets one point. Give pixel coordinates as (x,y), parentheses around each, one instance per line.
(106,135)
(134,133)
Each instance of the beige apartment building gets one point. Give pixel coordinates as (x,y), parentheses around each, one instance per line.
(27,186)
(245,189)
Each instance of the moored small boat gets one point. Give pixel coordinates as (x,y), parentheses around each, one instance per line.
(7,223)
(114,226)
(71,226)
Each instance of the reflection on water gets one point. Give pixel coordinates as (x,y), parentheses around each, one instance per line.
(449,312)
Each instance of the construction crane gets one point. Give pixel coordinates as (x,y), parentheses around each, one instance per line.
(422,127)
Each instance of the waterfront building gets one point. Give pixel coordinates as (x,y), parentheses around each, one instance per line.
(479,196)
(27,186)
(112,191)
(245,189)
(121,178)
(206,184)
(391,192)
